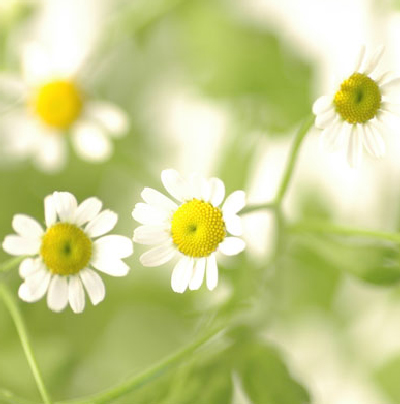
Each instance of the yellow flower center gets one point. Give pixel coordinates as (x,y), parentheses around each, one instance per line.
(58,103)
(197,228)
(358,99)
(65,249)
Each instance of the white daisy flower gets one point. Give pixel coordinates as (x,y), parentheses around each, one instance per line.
(195,229)
(53,105)
(61,256)
(354,115)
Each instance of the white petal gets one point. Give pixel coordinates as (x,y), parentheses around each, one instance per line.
(93,284)
(232,246)
(91,143)
(395,81)
(359,59)
(57,296)
(102,223)
(373,61)
(66,205)
(175,184)
(234,203)
(217,191)
(158,255)
(323,104)
(373,141)
(87,211)
(50,153)
(323,120)
(114,246)
(29,266)
(112,118)
(158,200)
(17,245)
(198,274)
(76,295)
(50,213)
(26,226)
(110,265)
(233,224)
(330,136)
(390,107)
(354,148)
(150,215)
(33,293)
(36,63)
(151,235)
(181,274)
(212,272)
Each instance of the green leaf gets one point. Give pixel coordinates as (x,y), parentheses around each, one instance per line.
(388,378)
(265,377)
(228,58)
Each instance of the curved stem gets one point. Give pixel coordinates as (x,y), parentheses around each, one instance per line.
(11,263)
(259,206)
(23,336)
(290,165)
(7,397)
(322,227)
(149,374)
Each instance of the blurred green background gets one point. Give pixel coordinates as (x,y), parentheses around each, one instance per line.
(292,315)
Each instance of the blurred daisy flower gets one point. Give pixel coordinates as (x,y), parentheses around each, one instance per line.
(61,256)
(55,107)
(354,116)
(195,229)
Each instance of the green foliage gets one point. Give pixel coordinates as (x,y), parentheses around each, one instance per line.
(268,84)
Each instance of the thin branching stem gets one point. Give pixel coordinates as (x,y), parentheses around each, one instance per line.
(23,336)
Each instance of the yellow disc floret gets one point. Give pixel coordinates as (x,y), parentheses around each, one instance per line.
(58,103)
(65,249)
(358,99)
(197,228)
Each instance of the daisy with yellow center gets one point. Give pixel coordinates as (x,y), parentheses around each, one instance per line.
(354,115)
(195,229)
(54,107)
(61,257)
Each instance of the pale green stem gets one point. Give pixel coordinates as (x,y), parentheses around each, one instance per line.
(7,397)
(290,165)
(144,377)
(255,207)
(23,335)
(323,227)
(10,264)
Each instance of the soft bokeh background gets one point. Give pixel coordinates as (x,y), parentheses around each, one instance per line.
(219,87)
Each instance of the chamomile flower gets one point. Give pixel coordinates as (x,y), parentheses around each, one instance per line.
(52,106)
(194,229)
(354,116)
(61,257)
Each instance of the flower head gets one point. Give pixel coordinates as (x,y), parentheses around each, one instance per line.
(354,114)
(61,256)
(194,229)
(55,106)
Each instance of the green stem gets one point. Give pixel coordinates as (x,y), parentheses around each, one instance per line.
(23,336)
(290,165)
(322,227)
(144,377)
(259,206)
(11,263)
(7,397)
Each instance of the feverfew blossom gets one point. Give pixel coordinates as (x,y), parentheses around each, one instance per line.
(61,256)
(354,116)
(53,106)
(194,229)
